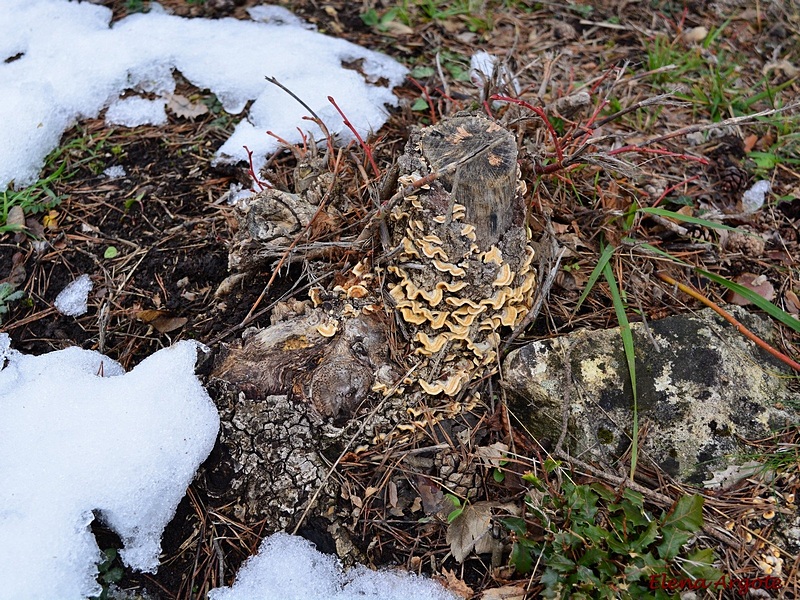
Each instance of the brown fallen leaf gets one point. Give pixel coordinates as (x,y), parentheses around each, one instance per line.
(750,143)
(792,302)
(474,522)
(456,585)
(185,108)
(161,320)
(757,283)
(507,592)
(431,495)
(492,455)
(15,220)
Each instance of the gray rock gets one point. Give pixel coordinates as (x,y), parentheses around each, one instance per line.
(701,387)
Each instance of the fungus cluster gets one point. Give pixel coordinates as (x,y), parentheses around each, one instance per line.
(452,295)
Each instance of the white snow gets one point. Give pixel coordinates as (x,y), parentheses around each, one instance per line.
(71,301)
(115,172)
(753,199)
(78,434)
(61,61)
(289,568)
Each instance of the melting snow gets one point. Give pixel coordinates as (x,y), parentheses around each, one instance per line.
(71,301)
(78,434)
(62,61)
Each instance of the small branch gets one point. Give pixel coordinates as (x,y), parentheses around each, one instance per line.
(659,151)
(364,145)
(425,93)
(319,121)
(728,317)
(261,184)
(542,115)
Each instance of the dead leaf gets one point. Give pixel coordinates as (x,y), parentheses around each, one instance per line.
(161,320)
(15,219)
(792,302)
(493,455)
(431,495)
(507,592)
(695,34)
(750,143)
(167,324)
(18,274)
(456,585)
(148,316)
(396,28)
(474,522)
(50,220)
(392,494)
(185,108)
(781,65)
(757,283)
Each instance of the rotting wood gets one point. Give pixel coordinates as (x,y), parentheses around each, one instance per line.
(462,273)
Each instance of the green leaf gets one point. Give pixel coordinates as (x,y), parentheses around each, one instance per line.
(759,301)
(515,524)
(551,465)
(560,563)
(627,344)
(419,104)
(605,255)
(605,492)
(110,252)
(521,558)
(113,575)
(454,515)
(700,565)
(687,514)
(370,18)
(421,72)
(551,579)
(534,481)
(647,537)
(672,541)
(498,475)
(663,212)
(764,160)
(634,513)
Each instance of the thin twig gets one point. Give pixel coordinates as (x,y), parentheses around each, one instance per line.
(728,317)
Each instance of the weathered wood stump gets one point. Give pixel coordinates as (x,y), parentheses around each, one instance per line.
(459,272)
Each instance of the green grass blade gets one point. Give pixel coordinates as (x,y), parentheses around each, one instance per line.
(761,302)
(627,344)
(653,250)
(605,255)
(669,214)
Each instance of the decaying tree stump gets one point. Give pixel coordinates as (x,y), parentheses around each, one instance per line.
(458,272)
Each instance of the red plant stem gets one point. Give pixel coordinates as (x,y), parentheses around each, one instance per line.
(703,161)
(669,189)
(261,184)
(728,317)
(364,145)
(541,113)
(425,93)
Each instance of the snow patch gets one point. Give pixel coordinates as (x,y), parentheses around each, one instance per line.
(290,568)
(71,301)
(77,435)
(62,61)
